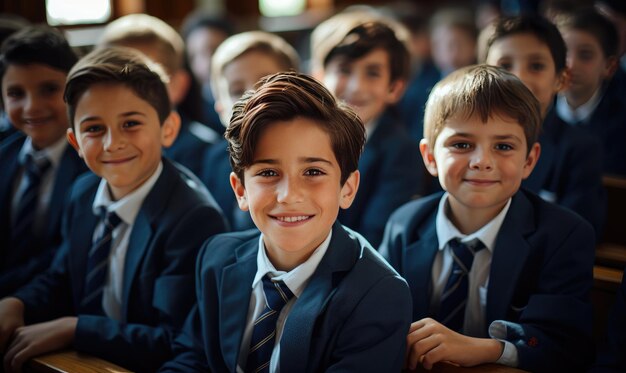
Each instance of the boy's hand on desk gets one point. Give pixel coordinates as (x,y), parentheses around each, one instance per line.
(34,340)
(430,342)
(11,318)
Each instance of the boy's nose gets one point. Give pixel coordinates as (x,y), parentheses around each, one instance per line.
(32,104)
(114,140)
(481,160)
(289,191)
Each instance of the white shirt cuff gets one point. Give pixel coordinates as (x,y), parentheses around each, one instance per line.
(509,357)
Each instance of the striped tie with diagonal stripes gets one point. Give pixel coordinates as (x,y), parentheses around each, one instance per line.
(454,297)
(277,294)
(22,232)
(97,265)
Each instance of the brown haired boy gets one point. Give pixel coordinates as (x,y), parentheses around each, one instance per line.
(294,152)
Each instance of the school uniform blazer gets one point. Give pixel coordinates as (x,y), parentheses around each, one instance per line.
(353,316)
(215,175)
(17,267)
(539,282)
(570,170)
(188,148)
(174,220)
(392,173)
(608,123)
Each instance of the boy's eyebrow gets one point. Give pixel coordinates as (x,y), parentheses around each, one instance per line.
(125,114)
(301,159)
(497,137)
(507,137)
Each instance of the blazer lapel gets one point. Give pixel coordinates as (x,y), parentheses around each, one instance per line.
(140,237)
(510,254)
(234,295)
(342,253)
(417,269)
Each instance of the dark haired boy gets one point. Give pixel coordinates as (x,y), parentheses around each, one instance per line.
(122,283)
(569,172)
(36,163)
(202,34)
(592,101)
(306,294)
(366,65)
(497,274)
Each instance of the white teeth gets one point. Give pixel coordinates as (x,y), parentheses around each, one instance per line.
(291,219)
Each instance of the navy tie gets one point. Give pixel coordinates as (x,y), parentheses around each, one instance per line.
(277,294)
(97,265)
(454,297)
(26,210)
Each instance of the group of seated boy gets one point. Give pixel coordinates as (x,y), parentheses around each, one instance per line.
(310,236)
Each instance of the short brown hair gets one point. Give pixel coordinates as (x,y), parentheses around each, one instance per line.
(123,66)
(285,96)
(484,90)
(145,29)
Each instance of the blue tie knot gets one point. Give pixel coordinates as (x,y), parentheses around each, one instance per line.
(36,168)
(277,294)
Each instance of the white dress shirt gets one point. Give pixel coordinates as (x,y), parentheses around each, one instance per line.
(581,114)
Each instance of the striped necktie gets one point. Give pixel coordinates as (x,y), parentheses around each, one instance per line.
(97,265)
(277,294)
(26,210)
(454,297)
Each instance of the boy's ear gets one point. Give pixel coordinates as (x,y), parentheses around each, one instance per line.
(396,90)
(169,129)
(349,189)
(531,160)
(71,138)
(178,86)
(429,157)
(240,192)
(612,63)
(563,81)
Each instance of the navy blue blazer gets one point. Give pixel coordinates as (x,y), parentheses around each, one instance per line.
(17,267)
(353,315)
(570,170)
(611,355)
(608,124)
(392,173)
(413,102)
(215,175)
(175,218)
(539,283)
(193,140)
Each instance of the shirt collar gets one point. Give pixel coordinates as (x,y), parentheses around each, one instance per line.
(128,207)
(487,234)
(296,279)
(53,152)
(580,114)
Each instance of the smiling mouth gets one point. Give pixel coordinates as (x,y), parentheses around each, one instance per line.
(480,182)
(37,121)
(118,161)
(292,219)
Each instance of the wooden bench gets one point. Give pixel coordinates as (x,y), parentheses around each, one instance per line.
(71,361)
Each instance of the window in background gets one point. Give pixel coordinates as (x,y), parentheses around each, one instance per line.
(277,8)
(72,12)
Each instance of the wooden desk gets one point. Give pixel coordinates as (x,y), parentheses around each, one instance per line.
(70,362)
(485,368)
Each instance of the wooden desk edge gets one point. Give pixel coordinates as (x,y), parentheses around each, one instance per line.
(484,368)
(72,361)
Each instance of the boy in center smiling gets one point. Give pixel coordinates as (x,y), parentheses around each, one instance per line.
(294,152)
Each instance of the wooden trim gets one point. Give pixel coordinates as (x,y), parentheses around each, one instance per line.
(72,361)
